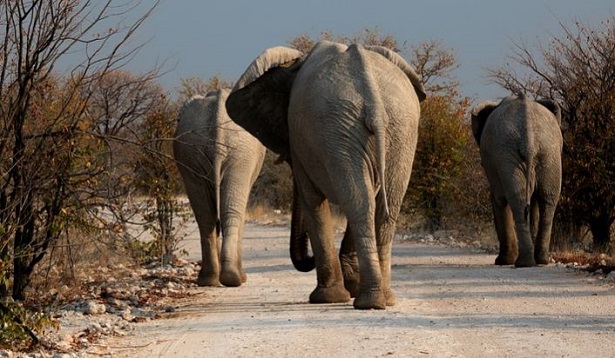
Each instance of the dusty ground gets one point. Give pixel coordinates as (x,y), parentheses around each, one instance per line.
(452,302)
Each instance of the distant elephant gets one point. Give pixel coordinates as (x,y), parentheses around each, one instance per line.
(520,144)
(218,162)
(347,117)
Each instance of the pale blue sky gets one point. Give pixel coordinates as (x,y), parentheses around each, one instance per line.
(221,37)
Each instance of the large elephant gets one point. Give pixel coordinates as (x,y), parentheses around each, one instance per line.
(218,162)
(347,117)
(520,144)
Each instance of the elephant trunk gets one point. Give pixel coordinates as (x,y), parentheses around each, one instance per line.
(299,239)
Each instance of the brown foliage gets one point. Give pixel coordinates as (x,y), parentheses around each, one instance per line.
(447,186)
(372,37)
(46,143)
(193,86)
(274,186)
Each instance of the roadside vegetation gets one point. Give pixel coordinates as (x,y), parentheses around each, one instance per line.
(87,175)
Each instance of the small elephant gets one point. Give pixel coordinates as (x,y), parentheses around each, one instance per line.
(218,162)
(520,144)
(347,117)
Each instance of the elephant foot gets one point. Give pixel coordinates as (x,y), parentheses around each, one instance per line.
(390,297)
(207,279)
(333,294)
(350,272)
(352,286)
(542,259)
(504,260)
(370,300)
(525,262)
(232,277)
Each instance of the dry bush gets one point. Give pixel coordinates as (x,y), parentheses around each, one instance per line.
(274,186)
(448,189)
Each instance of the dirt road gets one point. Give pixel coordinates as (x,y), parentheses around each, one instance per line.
(452,302)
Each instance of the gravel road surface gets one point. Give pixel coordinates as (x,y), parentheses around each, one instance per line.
(452,302)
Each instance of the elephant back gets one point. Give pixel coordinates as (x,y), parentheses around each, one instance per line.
(399,61)
(205,126)
(521,119)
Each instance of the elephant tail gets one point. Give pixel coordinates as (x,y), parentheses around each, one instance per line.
(528,190)
(529,153)
(374,118)
(379,132)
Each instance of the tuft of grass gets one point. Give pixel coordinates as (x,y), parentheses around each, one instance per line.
(579,258)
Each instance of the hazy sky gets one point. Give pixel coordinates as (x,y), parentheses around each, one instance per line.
(221,37)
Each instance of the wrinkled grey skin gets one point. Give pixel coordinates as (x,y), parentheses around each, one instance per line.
(218,162)
(347,117)
(520,144)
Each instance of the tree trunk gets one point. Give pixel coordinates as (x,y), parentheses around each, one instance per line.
(22,249)
(165,220)
(4,248)
(21,278)
(4,272)
(434,210)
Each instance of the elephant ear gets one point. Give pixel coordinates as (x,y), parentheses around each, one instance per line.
(553,107)
(480,113)
(259,100)
(399,61)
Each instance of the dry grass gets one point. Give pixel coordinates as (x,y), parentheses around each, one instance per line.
(263,214)
(61,275)
(266,215)
(581,258)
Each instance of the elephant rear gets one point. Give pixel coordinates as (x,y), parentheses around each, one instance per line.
(355,115)
(218,162)
(527,134)
(347,117)
(195,137)
(520,144)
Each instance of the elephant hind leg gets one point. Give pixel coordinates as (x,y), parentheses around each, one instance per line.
(362,227)
(234,194)
(524,237)
(203,203)
(232,273)
(386,233)
(543,237)
(350,264)
(209,274)
(330,287)
(317,216)
(371,293)
(504,227)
